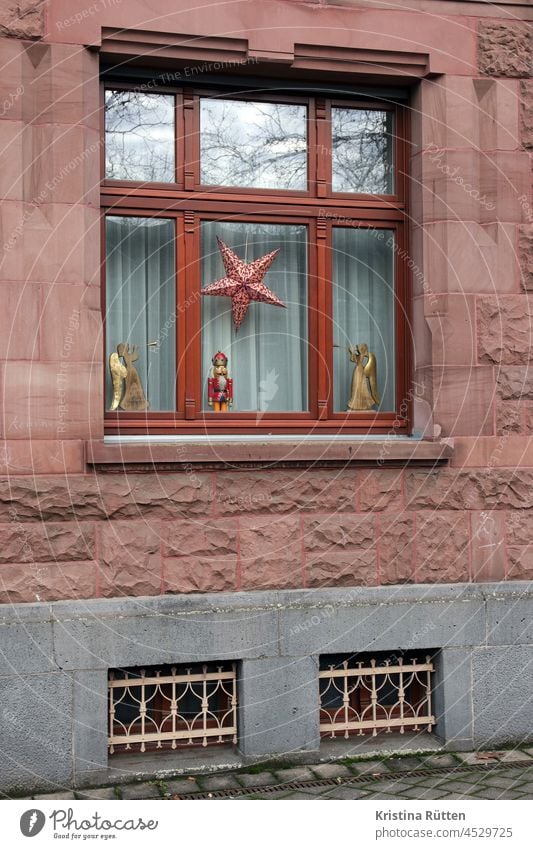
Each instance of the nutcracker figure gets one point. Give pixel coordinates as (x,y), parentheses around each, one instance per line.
(220,386)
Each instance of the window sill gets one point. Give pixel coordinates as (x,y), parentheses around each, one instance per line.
(176,454)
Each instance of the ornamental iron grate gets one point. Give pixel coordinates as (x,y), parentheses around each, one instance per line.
(369,696)
(171,706)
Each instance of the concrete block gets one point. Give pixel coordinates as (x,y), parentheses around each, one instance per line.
(279,706)
(502,693)
(89,725)
(94,642)
(381,627)
(26,647)
(36,733)
(452,696)
(510,621)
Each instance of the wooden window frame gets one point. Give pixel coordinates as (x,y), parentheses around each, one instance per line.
(188,202)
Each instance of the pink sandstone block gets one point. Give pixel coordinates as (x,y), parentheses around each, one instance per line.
(334,568)
(59,400)
(507,451)
(131,544)
(520,563)
(504,48)
(65,86)
(525,256)
(32,582)
(130,559)
(463,399)
(64,165)
(199,574)
(505,329)
(519,527)
(380,489)
(468,257)
(19,321)
(396,546)
(505,177)
(24,19)
(60,242)
(526,113)
(453,332)
(13,80)
(41,457)
(461,112)
(489,560)
(140,496)
(12,143)
(515,382)
(469,489)
(204,537)
(449,185)
(270,551)
(338,531)
(71,323)
(116,580)
(29,542)
(442,540)
(509,417)
(282,492)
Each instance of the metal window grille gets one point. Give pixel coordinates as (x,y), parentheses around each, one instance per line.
(172,706)
(366,697)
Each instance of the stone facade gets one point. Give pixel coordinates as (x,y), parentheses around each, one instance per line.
(256,534)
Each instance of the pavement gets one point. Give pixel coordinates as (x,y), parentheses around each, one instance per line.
(506,774)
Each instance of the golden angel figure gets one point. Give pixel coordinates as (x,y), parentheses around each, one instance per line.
(364,393)
(118,374)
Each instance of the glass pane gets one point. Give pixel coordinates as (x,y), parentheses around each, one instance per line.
(244,143)
(268,354)
(363,318)
(141,314)
(139,136)
(362,151)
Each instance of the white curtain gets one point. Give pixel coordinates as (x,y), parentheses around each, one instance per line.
(140,284)
(363,308)
(268,355)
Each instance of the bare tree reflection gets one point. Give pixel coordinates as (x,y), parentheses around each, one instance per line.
(253,144)
(139,136)
(362,150)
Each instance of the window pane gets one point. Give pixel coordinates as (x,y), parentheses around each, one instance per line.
(363,314)
(362,151)
(262,145)
(139,136)
(268,354)
(140,310)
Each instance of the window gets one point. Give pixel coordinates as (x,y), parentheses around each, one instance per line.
(166,707)
(294,206)
(364,694)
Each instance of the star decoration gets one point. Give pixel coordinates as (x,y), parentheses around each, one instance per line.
(243,282)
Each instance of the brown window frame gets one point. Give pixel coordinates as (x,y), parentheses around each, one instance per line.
(189,202)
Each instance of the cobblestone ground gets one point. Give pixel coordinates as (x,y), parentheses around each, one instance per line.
(495,775)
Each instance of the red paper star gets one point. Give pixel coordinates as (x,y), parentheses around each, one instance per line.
(243,282)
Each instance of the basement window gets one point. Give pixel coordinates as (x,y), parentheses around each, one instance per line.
(370,694)
(167,707)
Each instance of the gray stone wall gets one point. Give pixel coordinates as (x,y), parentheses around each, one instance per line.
(54,660)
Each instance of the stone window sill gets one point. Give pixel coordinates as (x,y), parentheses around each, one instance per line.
(264,453)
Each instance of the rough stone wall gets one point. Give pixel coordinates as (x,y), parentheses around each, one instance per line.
(66,532)
(124,535)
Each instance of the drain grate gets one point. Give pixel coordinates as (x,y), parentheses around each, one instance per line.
(269,789)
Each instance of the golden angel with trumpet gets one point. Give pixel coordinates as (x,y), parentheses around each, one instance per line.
(364,392)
